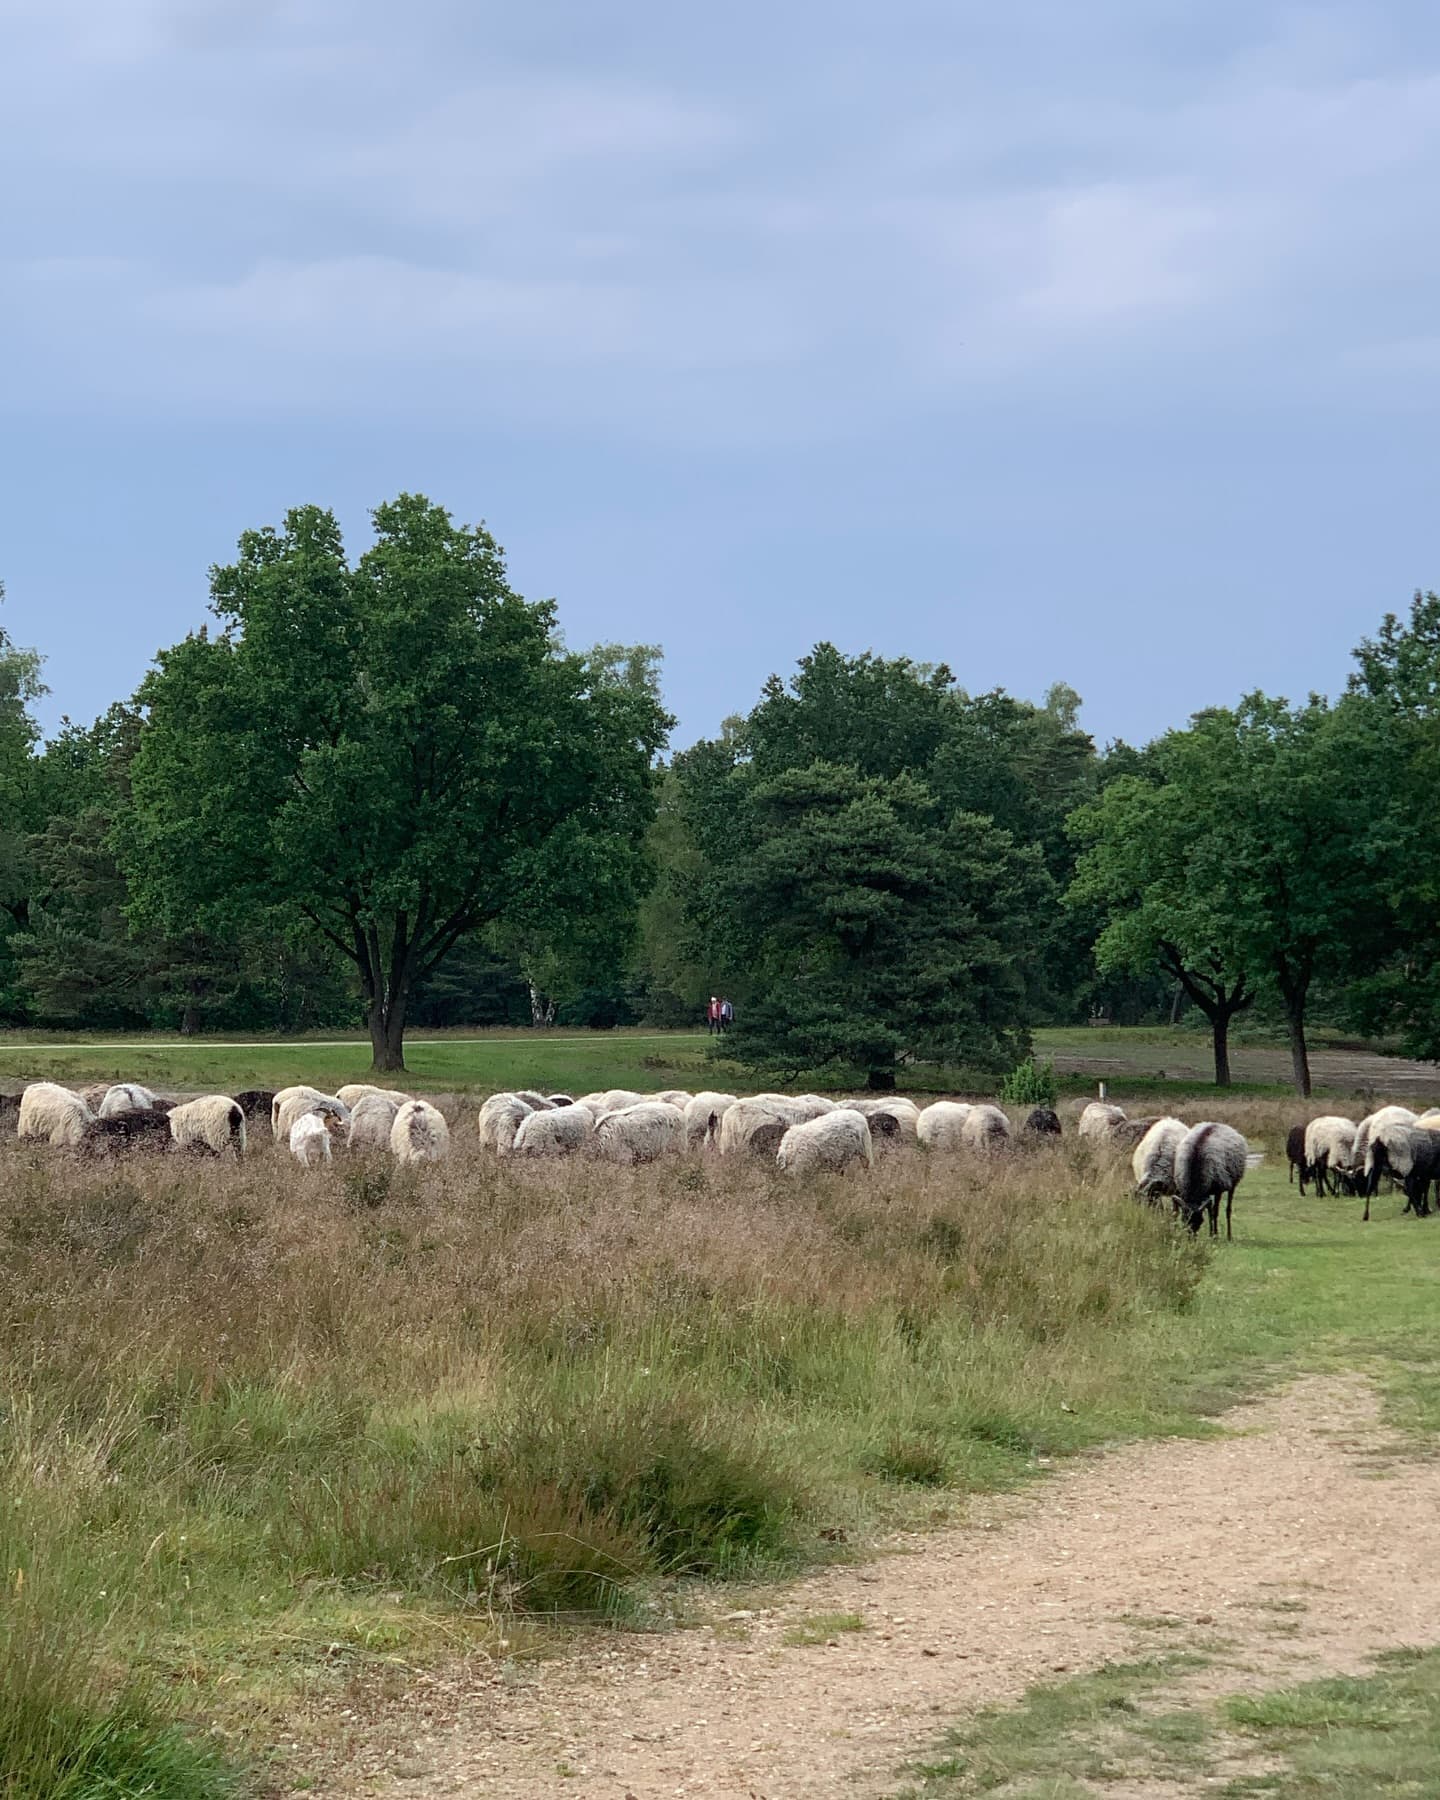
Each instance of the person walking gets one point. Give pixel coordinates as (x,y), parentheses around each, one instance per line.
(712,1015)
(727,1015)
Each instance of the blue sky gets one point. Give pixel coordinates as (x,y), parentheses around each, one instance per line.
(1094,343)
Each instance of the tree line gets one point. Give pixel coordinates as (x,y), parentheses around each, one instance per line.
(383,789)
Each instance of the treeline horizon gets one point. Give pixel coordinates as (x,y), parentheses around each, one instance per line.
(383,792)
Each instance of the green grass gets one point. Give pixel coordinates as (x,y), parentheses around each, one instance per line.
(820,1628)
(1334,1739)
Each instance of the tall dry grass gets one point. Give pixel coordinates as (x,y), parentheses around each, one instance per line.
(236,1393)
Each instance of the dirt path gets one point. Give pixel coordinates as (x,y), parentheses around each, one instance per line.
(1306,1540)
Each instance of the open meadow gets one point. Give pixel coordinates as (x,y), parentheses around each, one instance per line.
(271,1433)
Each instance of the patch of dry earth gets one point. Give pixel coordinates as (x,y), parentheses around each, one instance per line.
(1302,1540)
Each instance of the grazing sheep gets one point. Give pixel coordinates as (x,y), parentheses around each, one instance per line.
(1209,1162)
(310,1140)
(256,1103)
(537,1102)
(833,1142)
(1295,1156)
(1154,1159)
(52,1112)
(1042,1121)
(757,1124)
(617,1099)
(641,1133)
(892,1118)
(213,1123)
(120,1133)
(371,1120)
(941,1125)
(420,1134)
(556,1132)
(124,1097)
(674,1097)
(288,1105)
(1098,1119)
(985,1128)
(353,1092)
(703,1114)
(500,1119)
(1409,1154)
(1327,1154)
(1387,1115)
(561,1099)
(1125,1134)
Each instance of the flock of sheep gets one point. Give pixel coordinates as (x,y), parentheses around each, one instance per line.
(799,1133)
(1342,1157)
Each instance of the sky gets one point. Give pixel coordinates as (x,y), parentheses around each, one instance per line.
(1090,343)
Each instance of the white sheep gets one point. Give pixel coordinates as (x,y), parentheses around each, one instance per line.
(1210,1162)
(617,1099)
(290,1102)
(420,1133)
(641,1133)
(674,1097)
(213,1122)
(310,1140)
(52,1112)
(539,1102)
(703,1113)
(1154,1158)
(832,1142)
(125,1097)
(757,1124)
(940,1125)
(500,1119)
(355,1091)
(1330,1151)
(891,1116)
(985,1128)
(556,1132)
(1098,1120)
(1386,1115)
(370,1120)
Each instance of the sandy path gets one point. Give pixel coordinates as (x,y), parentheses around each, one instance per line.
(1306,1505)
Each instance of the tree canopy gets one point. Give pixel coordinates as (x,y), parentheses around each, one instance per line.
(392,753)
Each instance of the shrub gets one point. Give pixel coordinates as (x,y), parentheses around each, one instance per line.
(1030,1084)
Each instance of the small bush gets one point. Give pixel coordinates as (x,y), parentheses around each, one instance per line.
(915,1461)
(1030,1084)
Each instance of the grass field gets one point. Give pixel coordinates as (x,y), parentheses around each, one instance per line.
(1144,1061)
(264,1430)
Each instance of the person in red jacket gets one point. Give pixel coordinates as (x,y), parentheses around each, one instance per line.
(712,1015)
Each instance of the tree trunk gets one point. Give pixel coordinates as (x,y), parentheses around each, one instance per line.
(542,1008)
(1220,1032)
(387,1039)
(1293,978)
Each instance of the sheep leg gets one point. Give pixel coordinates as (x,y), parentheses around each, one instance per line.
(1229,1201)
(1214,1210)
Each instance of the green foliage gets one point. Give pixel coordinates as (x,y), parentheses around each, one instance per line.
(854,890)
(390,753)
(1030,1083)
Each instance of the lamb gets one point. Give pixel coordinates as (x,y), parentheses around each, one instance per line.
(1411,1153)
(419,1133)
(1209,1161)
(985,1128)
(941,1125)
(125,1097)
(1387,1115)
(212,1123)
(147,1128)
(371,1120)
(1098,1119)
(703,1114)
(310,1140)
(52,1112)
(1154,1159)
(1042,1121)
(1328,1154)
(556,1132)
(500,1119)
(833,1142)
(353,1092)
(642,1133)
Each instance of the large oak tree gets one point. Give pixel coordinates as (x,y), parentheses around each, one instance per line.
(393,752)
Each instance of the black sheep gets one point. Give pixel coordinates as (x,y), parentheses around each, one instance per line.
(1295,1154)
(1042,1121)
(145,1129)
